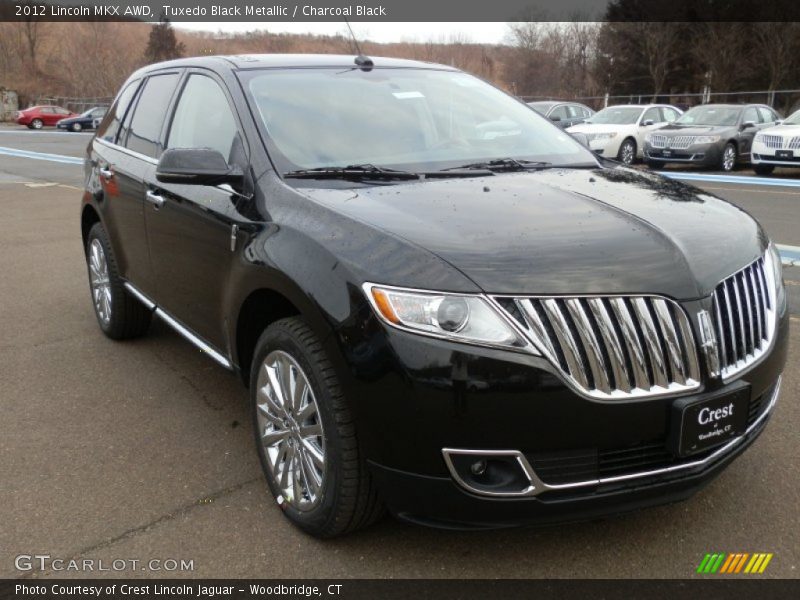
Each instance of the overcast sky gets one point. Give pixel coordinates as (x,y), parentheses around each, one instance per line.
(485,33)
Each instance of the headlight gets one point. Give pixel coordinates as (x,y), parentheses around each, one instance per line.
(601,136)
(706,139)
(777,274)
(460,317)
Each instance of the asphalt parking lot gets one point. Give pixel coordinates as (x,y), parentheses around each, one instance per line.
(143,450)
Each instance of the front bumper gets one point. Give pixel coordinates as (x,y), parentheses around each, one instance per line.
(766,156)
(416,396)
(704,156)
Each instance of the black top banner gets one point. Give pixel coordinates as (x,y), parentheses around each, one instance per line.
(222,11)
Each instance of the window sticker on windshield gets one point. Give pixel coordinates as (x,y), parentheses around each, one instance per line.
(406,95)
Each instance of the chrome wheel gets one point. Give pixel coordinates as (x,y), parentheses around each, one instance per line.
(728,158)
(290,431)
(76,127)
(37,123)
(100,282)
(627,153)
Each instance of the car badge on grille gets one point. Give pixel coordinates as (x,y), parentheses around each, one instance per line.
(708,342)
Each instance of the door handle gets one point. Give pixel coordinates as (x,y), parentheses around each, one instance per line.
(106,172)
(156,200)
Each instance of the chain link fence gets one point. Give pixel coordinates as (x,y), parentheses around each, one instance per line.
(76,105)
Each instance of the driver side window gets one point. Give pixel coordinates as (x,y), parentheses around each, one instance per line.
(750,116)
(203,118)
(652,114)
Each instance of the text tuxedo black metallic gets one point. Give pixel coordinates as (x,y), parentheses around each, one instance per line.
(440,303)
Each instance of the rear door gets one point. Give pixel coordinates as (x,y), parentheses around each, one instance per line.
(192,234)
(124,153)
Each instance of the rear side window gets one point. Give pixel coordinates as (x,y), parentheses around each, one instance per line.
(669,114)
(203,118)
(148,116)
(108,131)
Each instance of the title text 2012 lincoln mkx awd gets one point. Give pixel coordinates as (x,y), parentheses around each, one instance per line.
(441,304)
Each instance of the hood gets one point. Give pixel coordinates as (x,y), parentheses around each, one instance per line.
(695,129)
(784,130)
(596,128)
(564,231)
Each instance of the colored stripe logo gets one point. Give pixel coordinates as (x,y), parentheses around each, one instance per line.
(736,562)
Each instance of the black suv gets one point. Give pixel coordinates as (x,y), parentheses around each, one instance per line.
(440,303)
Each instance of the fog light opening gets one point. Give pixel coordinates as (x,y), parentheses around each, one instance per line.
(490,472)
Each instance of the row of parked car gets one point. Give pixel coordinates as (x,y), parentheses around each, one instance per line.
(719,136)
(37,117)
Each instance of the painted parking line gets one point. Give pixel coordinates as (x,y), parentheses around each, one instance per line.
(59,158)
(790,255)
(40,132)
(740,179)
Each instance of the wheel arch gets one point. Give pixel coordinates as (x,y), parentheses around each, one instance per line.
(89,217)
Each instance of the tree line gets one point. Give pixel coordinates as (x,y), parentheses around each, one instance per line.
(537,59)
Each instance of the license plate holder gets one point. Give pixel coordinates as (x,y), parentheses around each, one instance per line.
(698,424)
(666,152)
(784,154)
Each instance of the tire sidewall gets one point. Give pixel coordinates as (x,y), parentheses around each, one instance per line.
(37,124)
(98,233)
(277,337)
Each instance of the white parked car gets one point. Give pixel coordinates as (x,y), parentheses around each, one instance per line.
(618,131)
(777,146)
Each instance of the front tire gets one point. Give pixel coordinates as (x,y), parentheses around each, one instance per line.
(76,127)
(120,315)
(305,434)
(627,152)
(763,169)
(37,124)
(729,156)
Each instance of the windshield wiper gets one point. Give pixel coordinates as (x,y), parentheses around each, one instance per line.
(505,164)
(366,171)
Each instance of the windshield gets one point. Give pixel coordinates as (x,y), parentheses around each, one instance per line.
(411,119)
(710,115)
(616,115)
(793,119)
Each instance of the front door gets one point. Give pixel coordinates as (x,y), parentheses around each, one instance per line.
(192,230)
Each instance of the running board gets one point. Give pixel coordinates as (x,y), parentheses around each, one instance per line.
(180,328)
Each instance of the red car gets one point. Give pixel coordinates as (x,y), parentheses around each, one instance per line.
(37,117)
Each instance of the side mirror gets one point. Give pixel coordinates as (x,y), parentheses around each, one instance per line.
(748,125)
(779,122)
(196,166)
(648,122)
(581,139)
(554,118)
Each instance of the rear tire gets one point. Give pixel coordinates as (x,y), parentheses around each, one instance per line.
(76,127)
(36,124)
(308,436)
(120,315)
(763,169)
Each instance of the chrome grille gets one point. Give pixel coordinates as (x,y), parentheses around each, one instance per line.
(681,142)
(772,141)
(794,143)
(612,346)
(744,308)
(658,141)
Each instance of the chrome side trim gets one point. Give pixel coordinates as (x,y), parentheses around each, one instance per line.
(140,296)
(180,328)
(537,486)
